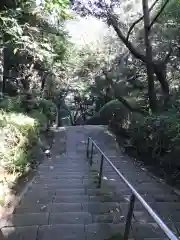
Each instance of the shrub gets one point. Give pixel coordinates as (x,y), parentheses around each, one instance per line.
(40,118)
(96,120)
(158,138)
(48,108)
(113,107)
(25,103)
(18,133)
(12,104)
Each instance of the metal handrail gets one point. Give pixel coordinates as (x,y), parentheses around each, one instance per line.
(135,194)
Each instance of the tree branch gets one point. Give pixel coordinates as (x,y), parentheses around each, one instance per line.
(158,14)
(113,21)
(138,20)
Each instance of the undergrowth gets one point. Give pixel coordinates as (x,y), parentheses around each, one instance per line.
(21,121)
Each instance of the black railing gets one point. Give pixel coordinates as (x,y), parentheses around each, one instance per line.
(135,195)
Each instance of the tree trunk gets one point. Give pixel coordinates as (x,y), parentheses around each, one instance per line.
(1,68)
(149,64)
(160,71)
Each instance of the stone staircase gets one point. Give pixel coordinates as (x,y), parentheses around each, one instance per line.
(64,203)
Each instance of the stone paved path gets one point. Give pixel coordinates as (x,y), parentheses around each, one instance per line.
(64,202)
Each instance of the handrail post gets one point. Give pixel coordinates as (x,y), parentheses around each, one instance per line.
(129,217)
(92,148)
(87,149)
(101,171)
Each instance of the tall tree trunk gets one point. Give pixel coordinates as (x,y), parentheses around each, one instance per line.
(160,71)
(1,68)
(149,64)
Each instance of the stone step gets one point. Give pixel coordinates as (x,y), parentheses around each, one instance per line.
(65,203)
(119,215)
(56,186)
(70,192)
(93,207)
(17,233)
(58,181)
(27,219)
(79,231)
(106,230)
(60,177)
(35,198)
(107,198)
(47,192)
(62,231)
(51,207)
(63,175)
(71,199)
(70,218)
(100,208)
(63,170)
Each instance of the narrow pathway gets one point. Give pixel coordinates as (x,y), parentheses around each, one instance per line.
(63,202)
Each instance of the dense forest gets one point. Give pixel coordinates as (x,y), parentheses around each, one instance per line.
(124,75)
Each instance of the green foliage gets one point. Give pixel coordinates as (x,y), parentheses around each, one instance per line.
(20,130)
(20,104)
(97,120)
(158,138)
(18,133)
(34,45)
(48,108)
(113,107)
(40,118)
(172,11)
(12,104)
(57,6)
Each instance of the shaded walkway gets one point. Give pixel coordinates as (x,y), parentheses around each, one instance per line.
(63,201)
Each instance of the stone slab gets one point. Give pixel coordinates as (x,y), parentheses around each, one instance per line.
(64,207)
(27,219)
(70,218)
(71,199)
(20,233)
(32,208)
(62,231)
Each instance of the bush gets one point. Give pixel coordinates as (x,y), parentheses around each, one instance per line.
(105,114)
(38,108)
(20,122)
(48,108)
(96,120)
(12,104)
(158,138)
(18,133)
(40,118)
(113,107)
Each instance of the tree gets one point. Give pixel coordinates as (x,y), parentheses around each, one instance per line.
(30,42)
(158,68)
(149,65)
(105,11)
(1,68)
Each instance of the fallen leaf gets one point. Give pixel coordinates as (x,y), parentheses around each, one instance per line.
(43,207)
